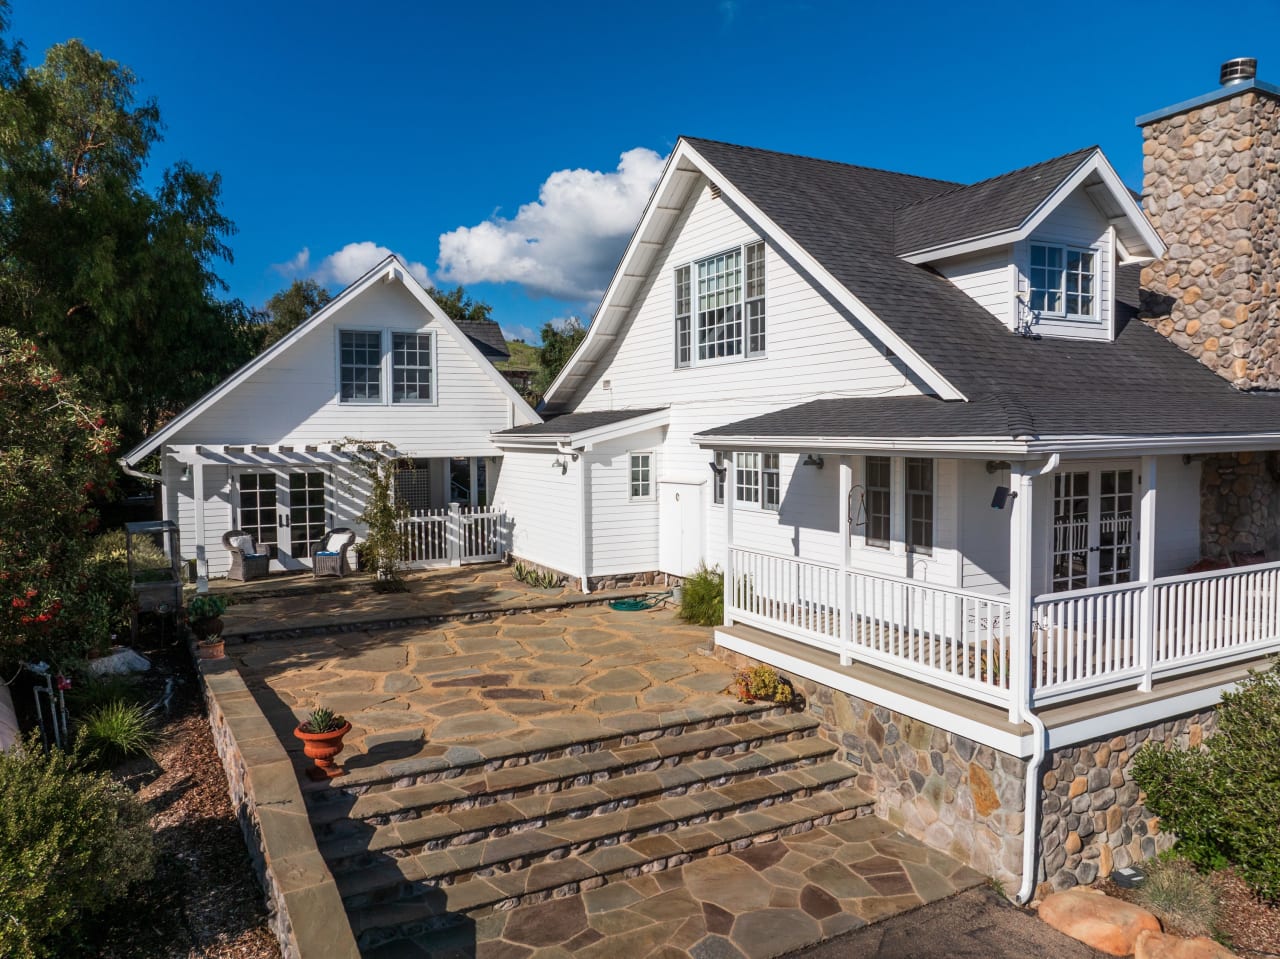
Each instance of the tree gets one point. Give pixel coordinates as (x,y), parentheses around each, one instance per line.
(55,454)
(117,284)
(559,340)
(457,305)
(290,308)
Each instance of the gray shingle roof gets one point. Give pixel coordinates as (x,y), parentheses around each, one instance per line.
(844,217)
(487,336)
(569,424)
(990,206)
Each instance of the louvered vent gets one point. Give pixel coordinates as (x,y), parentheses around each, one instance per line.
(715,192)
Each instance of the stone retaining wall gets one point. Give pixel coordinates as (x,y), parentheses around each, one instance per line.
(968,800)
(651,577)
(303,903)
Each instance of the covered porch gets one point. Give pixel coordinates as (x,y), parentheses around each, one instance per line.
(1021,582)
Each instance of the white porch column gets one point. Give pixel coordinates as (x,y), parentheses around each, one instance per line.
(844,591)
(1020,539)
(1147,568)
(730,501)
(197,494)
(585,519)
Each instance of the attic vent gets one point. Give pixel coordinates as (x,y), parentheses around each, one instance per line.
(1238,70)
(606,384)
(715,191)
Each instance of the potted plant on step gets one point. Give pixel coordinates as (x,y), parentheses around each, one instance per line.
(321,736)
(204,615)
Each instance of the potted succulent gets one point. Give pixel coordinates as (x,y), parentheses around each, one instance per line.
(204,614)
(321,734)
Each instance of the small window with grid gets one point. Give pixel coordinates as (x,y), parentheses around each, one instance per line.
(755,299)
(411,368)
(879,496)
(771,482)
(920,506)
(1062,281)
(717,493)
(684,327)
(360,366)
(747,477)
(641,475)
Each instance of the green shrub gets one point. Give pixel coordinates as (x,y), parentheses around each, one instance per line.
(702,602)
(205,606)
(90,691)
(71,843)
(1180,897)
(763,683)
(117,731)
(1223,803)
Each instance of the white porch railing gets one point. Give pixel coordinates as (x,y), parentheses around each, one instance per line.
(952,638)
(1082,642)
(453,536)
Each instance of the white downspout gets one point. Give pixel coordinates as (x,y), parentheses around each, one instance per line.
(1031,811)
(137,474)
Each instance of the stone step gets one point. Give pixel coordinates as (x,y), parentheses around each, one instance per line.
(492,753)
(354,814)
(406,900)
(735,775)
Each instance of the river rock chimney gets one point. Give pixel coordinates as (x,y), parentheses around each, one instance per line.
(1210,186)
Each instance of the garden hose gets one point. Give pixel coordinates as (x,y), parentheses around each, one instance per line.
(638,603)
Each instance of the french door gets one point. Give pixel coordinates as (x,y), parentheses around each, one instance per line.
(286,512)
(1093,527)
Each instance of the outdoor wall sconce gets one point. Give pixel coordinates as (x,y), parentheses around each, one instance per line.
(561,464)
(1003,495)
(186,471)
(717,469)
(813,459)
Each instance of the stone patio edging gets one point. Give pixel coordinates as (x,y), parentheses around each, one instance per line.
(306,911)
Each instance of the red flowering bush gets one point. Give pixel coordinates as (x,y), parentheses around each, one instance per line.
(55,452)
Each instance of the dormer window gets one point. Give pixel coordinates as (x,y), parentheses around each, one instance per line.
(1063,281)
(720,307)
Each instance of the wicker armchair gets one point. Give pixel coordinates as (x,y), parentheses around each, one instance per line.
(331,558)
(248,559)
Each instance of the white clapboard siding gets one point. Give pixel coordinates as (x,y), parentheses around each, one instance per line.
(984,277)
(1078,222)
(294,399)
(623,531)
(542,505)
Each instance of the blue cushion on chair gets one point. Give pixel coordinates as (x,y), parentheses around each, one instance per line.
(325,552)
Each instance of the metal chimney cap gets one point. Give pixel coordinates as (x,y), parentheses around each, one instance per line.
(1238,70)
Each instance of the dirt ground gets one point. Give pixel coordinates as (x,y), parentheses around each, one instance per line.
(204,902)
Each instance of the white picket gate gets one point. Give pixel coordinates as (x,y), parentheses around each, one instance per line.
(452,537)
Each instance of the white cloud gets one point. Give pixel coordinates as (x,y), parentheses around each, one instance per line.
(346,265)
(518,331)
(566,243)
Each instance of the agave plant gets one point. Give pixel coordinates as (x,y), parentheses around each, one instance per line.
(323,720)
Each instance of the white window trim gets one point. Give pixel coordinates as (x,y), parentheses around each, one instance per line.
(385,366)
(1061,316)
(632,496)
(898,529)
(777,471)
(692,265)
(906,509)
(887,545)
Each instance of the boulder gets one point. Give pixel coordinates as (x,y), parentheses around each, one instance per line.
(1161,945)
(1097,920)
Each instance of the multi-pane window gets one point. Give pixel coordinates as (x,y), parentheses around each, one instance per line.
(258,515)
(411,367)
(360,366)
(878,497)
(747,477)
(721,469)
(641,475)
(920,505)
(771,482)
(684,322)
(1063,280)
(730,306)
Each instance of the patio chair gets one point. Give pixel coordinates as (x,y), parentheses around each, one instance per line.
(331,558)
(248,559)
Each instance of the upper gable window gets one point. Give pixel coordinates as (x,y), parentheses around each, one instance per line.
(730,307)
(1063,281)
(370,359)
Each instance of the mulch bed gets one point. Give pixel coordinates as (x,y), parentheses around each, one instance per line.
(204,900)
(1250,927)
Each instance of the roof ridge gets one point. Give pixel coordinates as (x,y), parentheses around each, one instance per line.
(838,163)
(991,179)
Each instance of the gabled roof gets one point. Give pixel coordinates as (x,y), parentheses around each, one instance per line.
(390,269)
(582,428)
(997,205)
(487,337)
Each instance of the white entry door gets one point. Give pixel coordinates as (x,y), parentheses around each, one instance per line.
(680,527)
(286,512)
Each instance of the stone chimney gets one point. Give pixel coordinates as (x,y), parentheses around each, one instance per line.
(1210,186)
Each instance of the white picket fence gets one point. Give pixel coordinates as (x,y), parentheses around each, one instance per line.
(453,536)
(1082,642)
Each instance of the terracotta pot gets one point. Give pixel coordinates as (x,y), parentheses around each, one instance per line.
(206,629)
(213,648)
(323,747)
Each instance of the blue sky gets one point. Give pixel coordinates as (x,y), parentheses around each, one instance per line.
(511,146)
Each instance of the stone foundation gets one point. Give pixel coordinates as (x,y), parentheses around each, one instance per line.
(1240,506)
(610,581)
(968,800)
